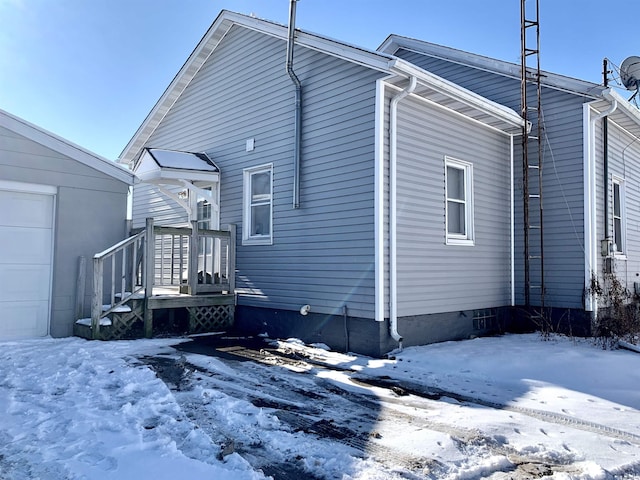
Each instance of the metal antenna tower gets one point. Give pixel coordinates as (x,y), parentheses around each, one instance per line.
(532,149)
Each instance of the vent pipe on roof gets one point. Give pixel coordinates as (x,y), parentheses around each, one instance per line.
(297,132)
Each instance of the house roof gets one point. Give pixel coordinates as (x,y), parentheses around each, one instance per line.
(626,115)
(393,43)
(65,147)
(431,86)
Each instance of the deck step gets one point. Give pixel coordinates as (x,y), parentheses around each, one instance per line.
(136,296)
(120,309)
(104,322)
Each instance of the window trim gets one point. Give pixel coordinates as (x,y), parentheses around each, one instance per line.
(618,250)
(248,239)
(468,239)
(193,199)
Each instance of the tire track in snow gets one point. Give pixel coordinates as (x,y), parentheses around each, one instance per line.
(316,423)
(522,467)
(434,393)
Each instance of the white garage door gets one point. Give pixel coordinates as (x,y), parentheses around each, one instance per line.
(26,241)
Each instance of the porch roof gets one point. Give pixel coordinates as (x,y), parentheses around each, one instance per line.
(161,166)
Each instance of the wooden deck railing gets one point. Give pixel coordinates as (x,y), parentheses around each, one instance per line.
(210,269)
(123,266)
(191,260)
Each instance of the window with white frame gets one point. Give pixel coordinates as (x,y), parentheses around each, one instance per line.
(459,202)
(618,216)
(258,205)
(203,209)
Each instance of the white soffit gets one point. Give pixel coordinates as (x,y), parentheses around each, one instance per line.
(465,102)
(626,115)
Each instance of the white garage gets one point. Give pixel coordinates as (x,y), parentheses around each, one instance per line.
(59,204)
(26,236)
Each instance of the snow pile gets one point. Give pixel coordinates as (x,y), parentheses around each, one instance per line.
(77,409)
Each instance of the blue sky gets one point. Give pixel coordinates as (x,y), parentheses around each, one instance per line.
(91,70)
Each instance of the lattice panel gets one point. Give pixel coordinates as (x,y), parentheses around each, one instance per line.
(210,318)
(125,325)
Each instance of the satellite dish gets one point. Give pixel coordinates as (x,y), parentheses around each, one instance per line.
(630,73)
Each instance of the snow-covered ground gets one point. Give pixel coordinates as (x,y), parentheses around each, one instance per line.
(503,407)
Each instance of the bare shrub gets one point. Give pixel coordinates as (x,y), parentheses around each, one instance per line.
(618,315)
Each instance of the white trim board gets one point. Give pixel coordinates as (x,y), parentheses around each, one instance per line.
(28,187)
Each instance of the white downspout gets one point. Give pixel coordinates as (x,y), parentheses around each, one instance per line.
(393,166)
(591,252)
(512,228)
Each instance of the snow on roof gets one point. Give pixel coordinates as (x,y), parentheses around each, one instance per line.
(182,160)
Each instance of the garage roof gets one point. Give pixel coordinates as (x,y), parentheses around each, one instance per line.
(65,147)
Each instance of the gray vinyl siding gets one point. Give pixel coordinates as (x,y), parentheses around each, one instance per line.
(323,252)
(89,217)
(563,178)
(433,276)
(563,193)
(148,201)
(624,163)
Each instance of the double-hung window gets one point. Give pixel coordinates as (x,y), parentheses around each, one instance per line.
(258,205)
(459,202)
(618,216)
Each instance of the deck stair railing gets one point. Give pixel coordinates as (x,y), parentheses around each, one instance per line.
(124,265)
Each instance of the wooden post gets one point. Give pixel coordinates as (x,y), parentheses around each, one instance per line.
(96,300)
(231,261)
(81,286)
(193,258)
(149,275)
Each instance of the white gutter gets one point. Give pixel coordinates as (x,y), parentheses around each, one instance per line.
(393,254)
(591,240)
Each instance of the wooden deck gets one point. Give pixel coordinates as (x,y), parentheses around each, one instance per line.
(201,281)
(206,313)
